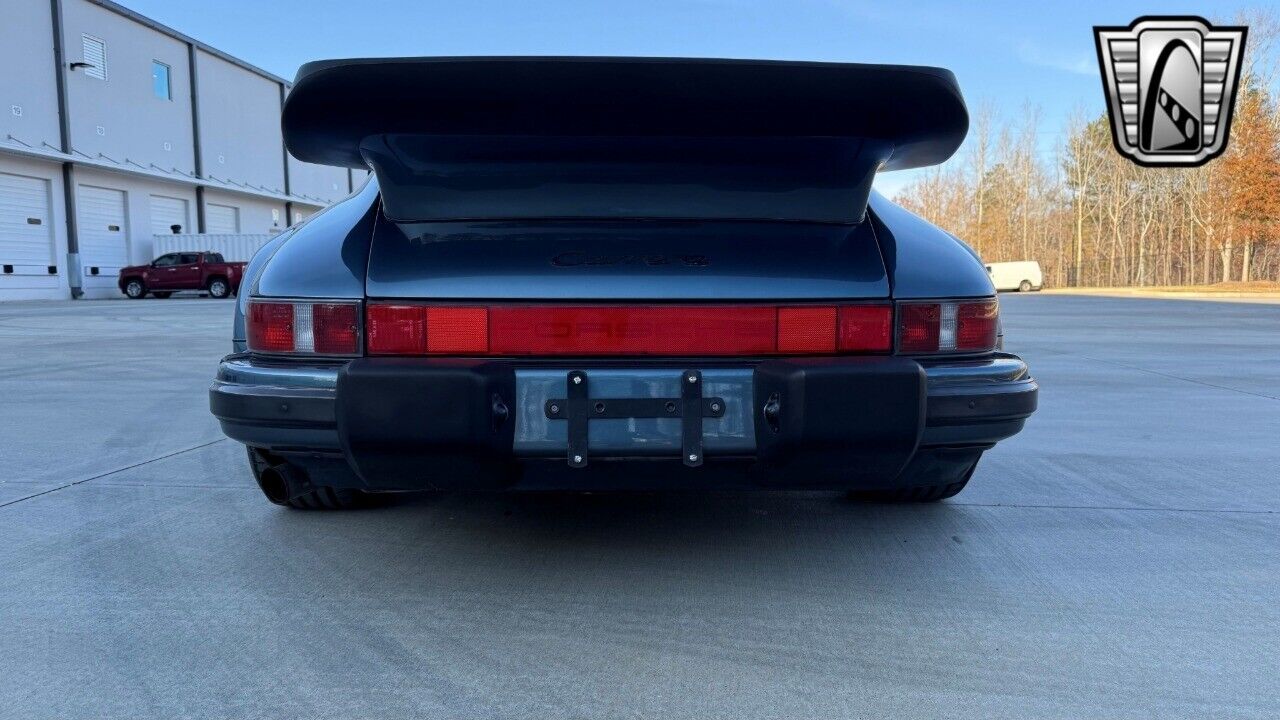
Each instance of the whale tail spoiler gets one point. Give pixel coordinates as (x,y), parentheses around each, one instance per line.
(505,138)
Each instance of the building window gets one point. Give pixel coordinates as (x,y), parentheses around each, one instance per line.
(95,54)
(160,80)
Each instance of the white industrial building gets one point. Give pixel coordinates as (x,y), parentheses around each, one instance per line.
(114,128)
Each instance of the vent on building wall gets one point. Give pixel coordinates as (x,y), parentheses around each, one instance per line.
(95,55)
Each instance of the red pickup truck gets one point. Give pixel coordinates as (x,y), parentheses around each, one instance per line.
(167,274)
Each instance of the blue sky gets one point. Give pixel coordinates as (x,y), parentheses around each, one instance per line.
(1004,52)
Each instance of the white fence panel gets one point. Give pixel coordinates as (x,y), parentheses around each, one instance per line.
(235,248)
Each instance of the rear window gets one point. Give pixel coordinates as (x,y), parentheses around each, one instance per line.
(189,259)
(213,257)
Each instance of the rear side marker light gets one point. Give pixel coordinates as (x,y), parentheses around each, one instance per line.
(948,327)
(303,327)
(609,330)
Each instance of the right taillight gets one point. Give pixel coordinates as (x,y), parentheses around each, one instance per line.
(948,327)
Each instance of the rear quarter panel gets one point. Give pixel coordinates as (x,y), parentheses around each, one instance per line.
(327,256)
(923,260)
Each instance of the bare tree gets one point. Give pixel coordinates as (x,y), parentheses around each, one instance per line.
(1091,217)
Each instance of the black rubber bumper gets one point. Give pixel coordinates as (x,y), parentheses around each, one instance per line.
(414,423)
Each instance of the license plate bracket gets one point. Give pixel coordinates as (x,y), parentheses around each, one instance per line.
(578,408)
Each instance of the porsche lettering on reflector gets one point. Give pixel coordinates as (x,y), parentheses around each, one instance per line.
(1170,84)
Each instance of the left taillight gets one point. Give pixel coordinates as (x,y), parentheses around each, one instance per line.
(304,327)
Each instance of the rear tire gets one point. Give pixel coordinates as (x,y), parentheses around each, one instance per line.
(1024,286)
(267,470)
(162,295)
(916,493)
(218,288)
(135,289)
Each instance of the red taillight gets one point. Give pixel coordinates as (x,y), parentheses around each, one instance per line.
(977,325)
(866,328)
(807,330)
(650,330)
(631,330)
(919,327)
(270,327)
(304,328)
(396,329)
(336,329)
(948,326)
(458,330)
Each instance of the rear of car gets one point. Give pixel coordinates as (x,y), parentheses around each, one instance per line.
(607,274)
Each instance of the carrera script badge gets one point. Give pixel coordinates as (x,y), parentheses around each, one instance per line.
(578,258)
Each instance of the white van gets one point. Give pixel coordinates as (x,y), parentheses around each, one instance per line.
(1021,276)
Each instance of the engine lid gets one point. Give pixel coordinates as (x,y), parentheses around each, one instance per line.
(612,261)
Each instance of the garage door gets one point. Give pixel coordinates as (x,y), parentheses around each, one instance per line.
(167,212)
(26,231)
(104,243)
(221,219)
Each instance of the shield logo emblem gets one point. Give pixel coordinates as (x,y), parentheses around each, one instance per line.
(1170,84)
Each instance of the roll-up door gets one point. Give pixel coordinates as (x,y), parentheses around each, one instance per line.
(104,241)
(167,212)
(26,232)
(221,219)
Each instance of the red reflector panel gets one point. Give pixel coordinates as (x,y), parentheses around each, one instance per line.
(807,329)
(335,328)
(919,327)
(455,330)
(396,329)
(976,325)
(646,330)
(270,327)
(866,328)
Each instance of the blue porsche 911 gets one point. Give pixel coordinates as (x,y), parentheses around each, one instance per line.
(618,273)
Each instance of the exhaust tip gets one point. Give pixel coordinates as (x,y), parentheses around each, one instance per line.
(274,484)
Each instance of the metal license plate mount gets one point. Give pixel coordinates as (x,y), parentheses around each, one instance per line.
(579,409)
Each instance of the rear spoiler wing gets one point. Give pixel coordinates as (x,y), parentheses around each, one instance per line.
(487,138)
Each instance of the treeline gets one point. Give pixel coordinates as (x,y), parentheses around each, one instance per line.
(1091,217)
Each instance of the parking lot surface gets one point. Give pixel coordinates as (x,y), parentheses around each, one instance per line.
(1120,558)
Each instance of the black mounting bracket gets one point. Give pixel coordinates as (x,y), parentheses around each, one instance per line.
(691,407)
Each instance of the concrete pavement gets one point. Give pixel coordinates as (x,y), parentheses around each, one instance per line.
(1117,559)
